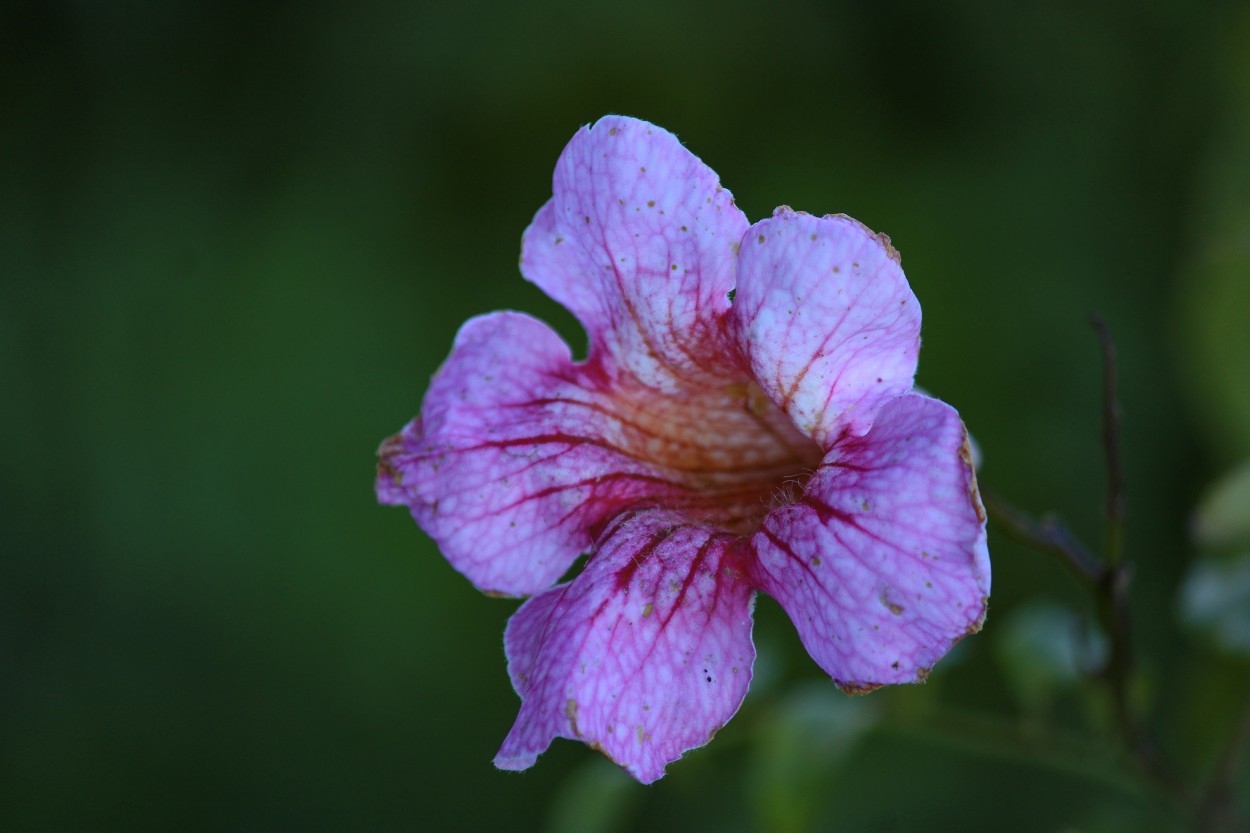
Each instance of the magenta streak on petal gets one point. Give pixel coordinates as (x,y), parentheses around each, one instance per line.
(703,450)
(638,242)
(827,320)
(643,656)
(521,456)
(882,564)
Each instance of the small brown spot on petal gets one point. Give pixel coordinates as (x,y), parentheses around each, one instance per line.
(570,711)
(761,238)
(646,611)
(857,689)
(650,203)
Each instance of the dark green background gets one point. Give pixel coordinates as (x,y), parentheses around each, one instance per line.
(236,240)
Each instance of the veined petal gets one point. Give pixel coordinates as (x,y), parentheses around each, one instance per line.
(882,565)
(827,320)
(638,241)
(512,463)
(643,656)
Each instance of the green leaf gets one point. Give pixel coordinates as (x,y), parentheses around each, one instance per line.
(800,744)
(1222,521)
(595,798)
(1045,648)
(1215,602)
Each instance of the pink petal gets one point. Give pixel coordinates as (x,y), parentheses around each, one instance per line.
(643,656)
(827,319)
(882,564)
(511,464)
(638,241)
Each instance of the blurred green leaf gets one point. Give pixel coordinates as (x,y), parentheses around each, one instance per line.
(1215,602)
(595,798)
(1217,280)
(1222,521)
(1044,648)
(810,733)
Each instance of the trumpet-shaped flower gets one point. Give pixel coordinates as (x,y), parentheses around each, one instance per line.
(744,421)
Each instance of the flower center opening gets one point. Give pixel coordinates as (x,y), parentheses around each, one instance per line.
(723,455)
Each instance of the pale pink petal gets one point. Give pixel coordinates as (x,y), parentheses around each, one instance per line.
(643,656)
(638,241)
(512,463)
(827,320)
(882,563)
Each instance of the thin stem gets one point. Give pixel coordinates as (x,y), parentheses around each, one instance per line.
(1113,581)
(1111,415)
(1108,580)
(1049,534)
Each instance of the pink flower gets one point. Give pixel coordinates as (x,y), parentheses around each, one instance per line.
(744,421)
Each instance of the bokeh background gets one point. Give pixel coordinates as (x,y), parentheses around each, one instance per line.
(237,239)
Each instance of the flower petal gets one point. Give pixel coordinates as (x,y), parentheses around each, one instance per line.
(643,656)
(510,466)
(827,320)
(882,565)
(639,241)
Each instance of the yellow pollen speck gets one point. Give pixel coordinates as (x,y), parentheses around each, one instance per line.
(650,203)
(612,132)
(646,611)
(761,238)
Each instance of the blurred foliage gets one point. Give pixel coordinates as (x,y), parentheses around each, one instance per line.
(1215,600)
(1044,649)
(236,239)
(811,730)
(1222,520)
(1215,287)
